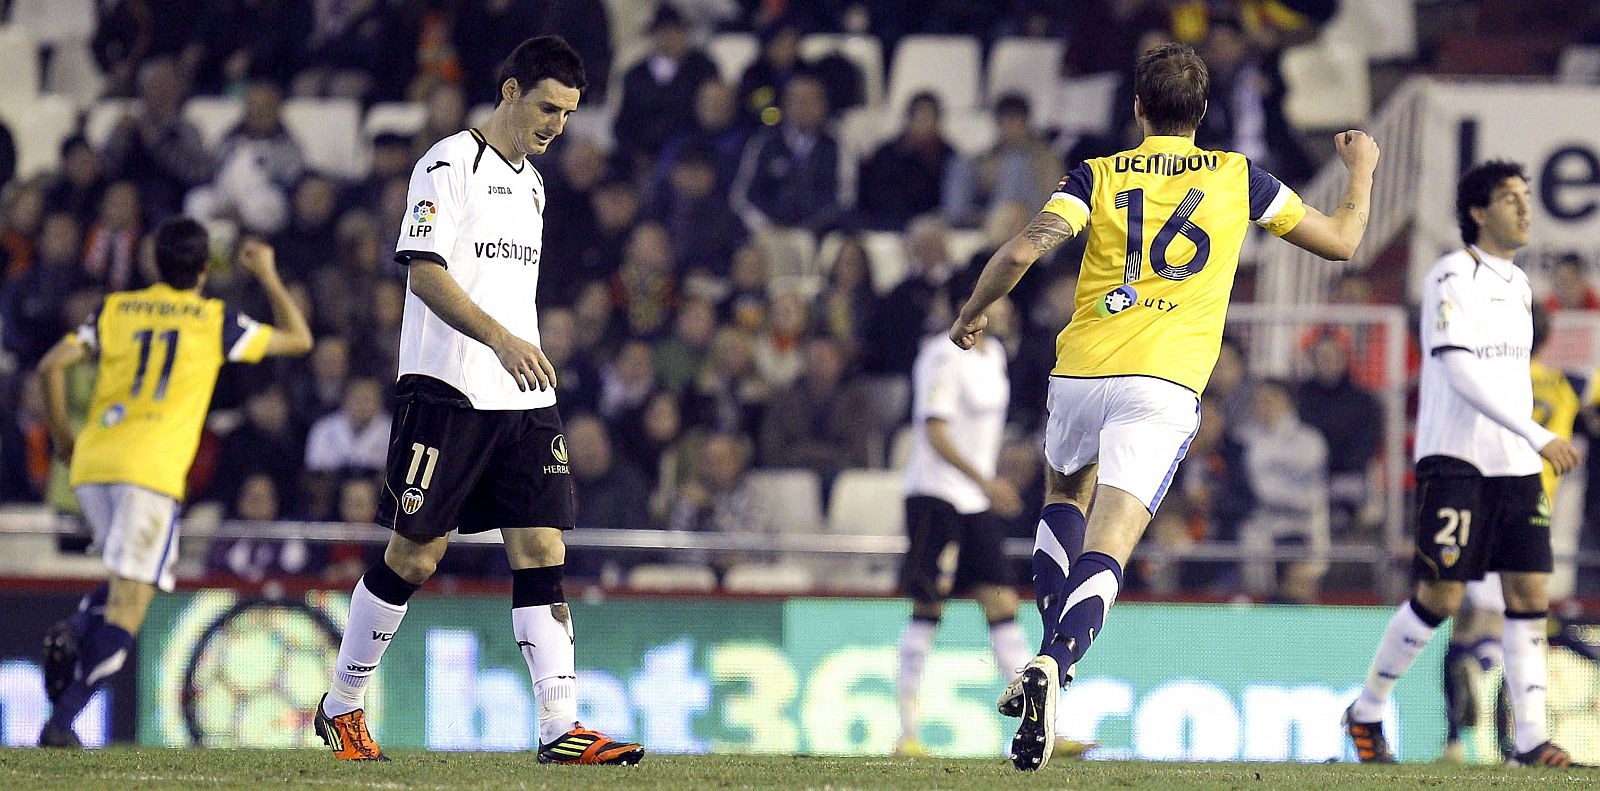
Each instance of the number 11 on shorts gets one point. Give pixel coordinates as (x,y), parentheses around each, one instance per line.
(418,450)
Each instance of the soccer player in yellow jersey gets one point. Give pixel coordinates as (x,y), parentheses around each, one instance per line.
(158,350)
(1165,222)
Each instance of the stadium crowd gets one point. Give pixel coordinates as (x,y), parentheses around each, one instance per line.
(689,349)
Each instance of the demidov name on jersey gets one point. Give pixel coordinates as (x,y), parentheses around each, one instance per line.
(481,218)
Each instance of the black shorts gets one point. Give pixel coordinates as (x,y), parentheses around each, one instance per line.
(454,466)
(931,525)
(1469,524)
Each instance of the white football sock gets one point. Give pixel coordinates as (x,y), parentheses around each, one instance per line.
(372,625)
(1010,649)
(915,644)
(544,633)
(1402,641)
(1526,679)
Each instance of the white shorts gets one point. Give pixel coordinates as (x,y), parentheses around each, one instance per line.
(136,530)
(1136,427)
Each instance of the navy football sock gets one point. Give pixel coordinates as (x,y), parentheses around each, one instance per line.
(1057,540)
(1092,585)
(101,653)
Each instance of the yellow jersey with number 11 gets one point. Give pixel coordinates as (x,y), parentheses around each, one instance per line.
(1165,223)
(159,350)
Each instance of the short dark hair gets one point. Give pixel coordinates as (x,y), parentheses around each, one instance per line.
(925,97)
(1013,104)
(542,57)
(1171,82)
(1474,190)
(182,250)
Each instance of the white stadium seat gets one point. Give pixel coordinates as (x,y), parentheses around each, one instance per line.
(863,50)
(401,118)
(886,255)
(214,116)
(73,73)
(1580,65)
(19,62)
(947,66)
(103,117)
(868,502)
(790,498)
(329,133)
(1029,66)
(791,252)
(788,578)
(1383,29)
(38,132)
(970,132)
(1083,105)
(733,53)
(664,577)
(900,448)
(55,21)
(1329,85)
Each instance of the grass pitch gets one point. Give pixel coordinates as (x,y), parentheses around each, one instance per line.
(119,768)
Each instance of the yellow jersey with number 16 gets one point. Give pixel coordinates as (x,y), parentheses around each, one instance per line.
(1165,223)
(159,350)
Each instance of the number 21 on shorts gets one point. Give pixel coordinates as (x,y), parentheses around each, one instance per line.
(1453,533)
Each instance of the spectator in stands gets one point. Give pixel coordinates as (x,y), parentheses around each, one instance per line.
(904,177)
(658,93)
(612,492)
(820,422)
(24,219)
(744,304)
(569,216)
(354,437)
(653,438)
(256,560)
(916,306)
(764,80)
(265,444)
(342,290)
(716,498)
(111,248)
(30,305)
(377,345)
(1036,349)
(1351,424)
(1287,465)
(1231,385)
(257,163)
(391,159)
(645,288)
(236,41)
(703,228)
(844,308)
(576,373)
(679,357)
(1216,496)
(627,380)
(716,129)
(728,395)
(1236,119)
(78,186)
(789,175)
(599,327)
(447,115)
(348,46)
(303,246)
(1020,169)
(1106,34)
(318,391)
(123,36)
(1570,287)
(778,354)
(616,212)
(162,154)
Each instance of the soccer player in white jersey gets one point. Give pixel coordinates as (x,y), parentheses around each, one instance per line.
(477,442)
(958,416)
(1165,223)
(1480,506)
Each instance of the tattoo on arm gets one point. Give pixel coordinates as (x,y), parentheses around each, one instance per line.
(1362,216)
(1046,231)
(1351,205)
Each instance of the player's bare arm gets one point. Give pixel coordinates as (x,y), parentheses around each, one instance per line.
(291,335)
(1003,497)
(443,295)
(67,352)
(1336,236)
(1561,454)
(1005,268)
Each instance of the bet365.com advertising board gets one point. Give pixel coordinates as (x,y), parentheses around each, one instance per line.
(1173,682)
